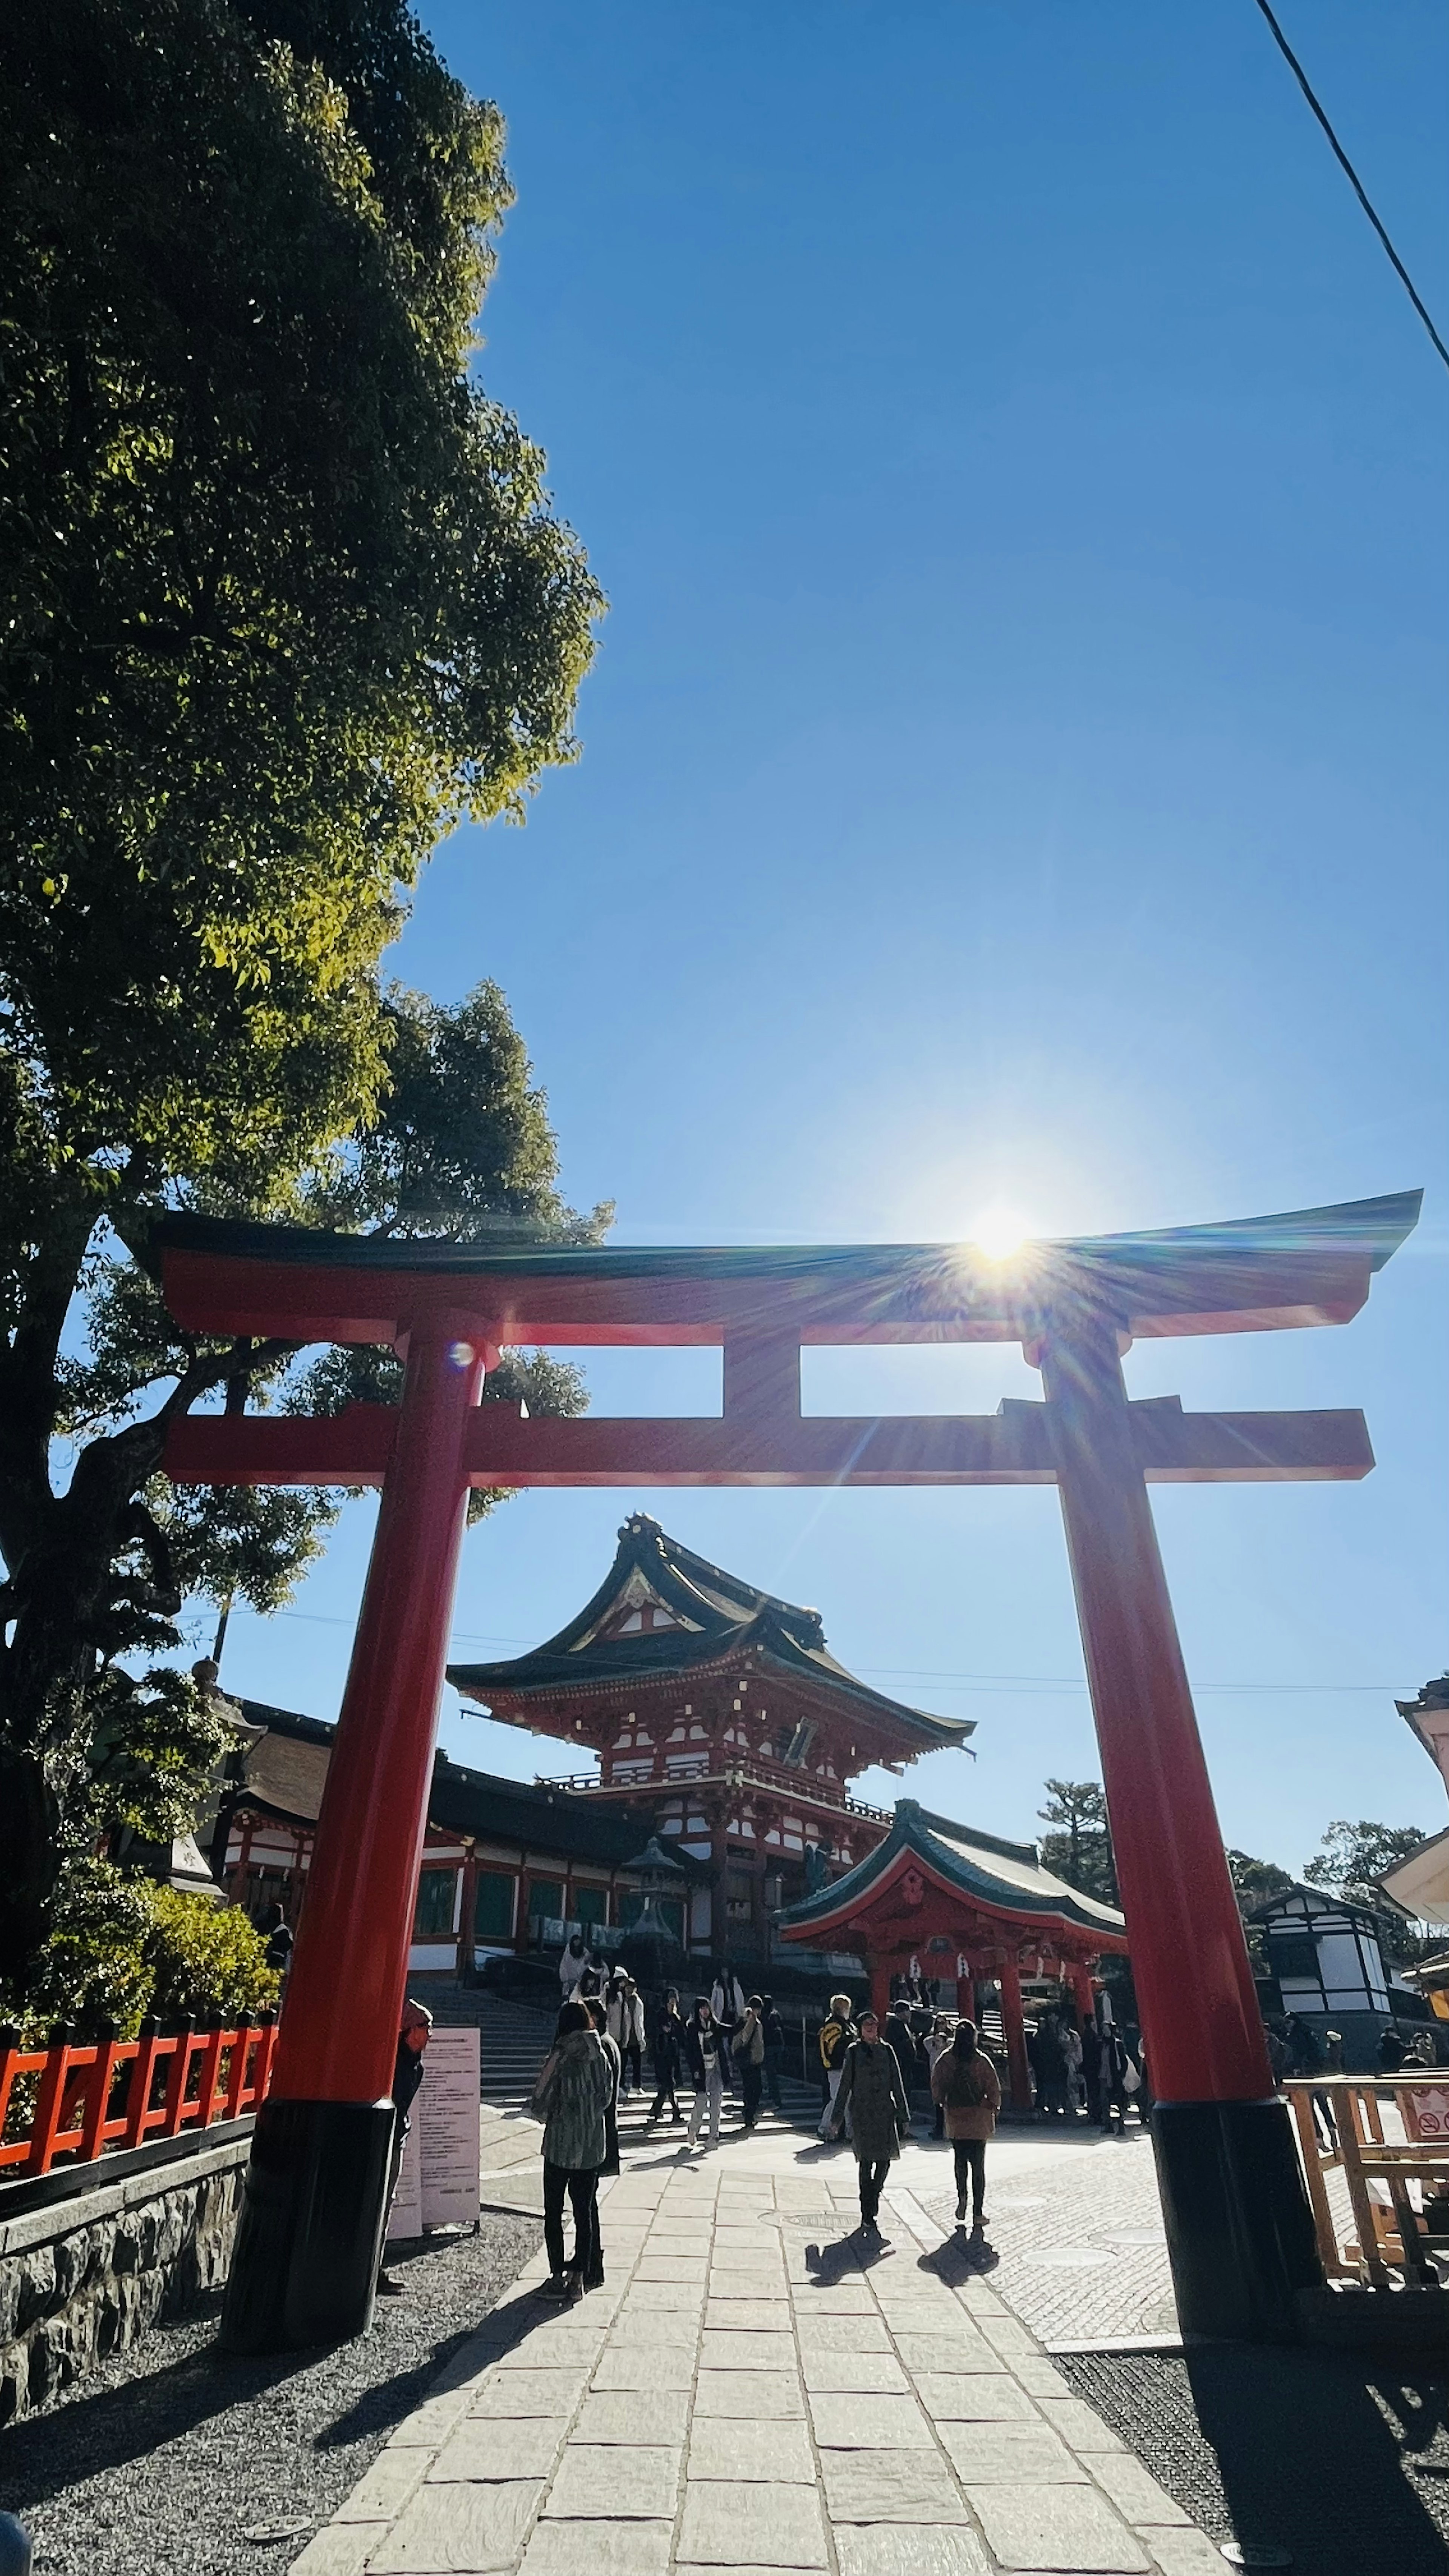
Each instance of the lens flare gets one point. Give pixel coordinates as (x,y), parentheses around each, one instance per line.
(999,1232)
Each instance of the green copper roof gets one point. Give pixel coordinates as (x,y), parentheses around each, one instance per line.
(718,1616)
(1008,1877)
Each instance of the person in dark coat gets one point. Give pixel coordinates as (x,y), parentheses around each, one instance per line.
(900,2038)
(968,2088)
(873,2097)
(407,2075)
(704,2055)
(666,2048)
(572,2096)
(774,2030)
(598,2012)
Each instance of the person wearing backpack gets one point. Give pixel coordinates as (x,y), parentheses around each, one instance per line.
(966,2084)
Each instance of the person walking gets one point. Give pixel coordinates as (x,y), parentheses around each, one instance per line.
(666,2049)
(749,2055)
(704,2056)
(939,2041)
(575,2085)
(968,2088)
(407,2075)
(774,2030)
(572,1965)
(837,2032)
(1072,2059)
(872,2096)
(727,2003)
(1093,2067)
(598,2012)
(626,2029)
(900,2038)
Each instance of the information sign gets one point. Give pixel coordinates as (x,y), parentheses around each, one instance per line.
(439,2181)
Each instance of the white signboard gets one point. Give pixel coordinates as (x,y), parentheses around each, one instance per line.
(438,2184)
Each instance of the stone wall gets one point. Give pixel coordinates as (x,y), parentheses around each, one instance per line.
(86,2276)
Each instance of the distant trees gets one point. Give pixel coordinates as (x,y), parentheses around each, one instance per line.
(1079,1845)
(1352,1859)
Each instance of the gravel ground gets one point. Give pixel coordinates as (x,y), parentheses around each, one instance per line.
(1342,2461)
(168,2454)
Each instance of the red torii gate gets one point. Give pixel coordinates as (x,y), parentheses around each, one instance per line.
(1238,2225)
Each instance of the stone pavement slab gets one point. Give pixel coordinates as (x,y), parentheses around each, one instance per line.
(907,2549)
(525,2446)
(459,2531)
(723,2446)
(748,2393)
(523,2392)
(860,2373)
(890,2486)
(870,2424)
(744,2526)
(1056,2527)
(589,2488)
(599,2549)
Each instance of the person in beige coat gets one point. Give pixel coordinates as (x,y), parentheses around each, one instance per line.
(966,2084)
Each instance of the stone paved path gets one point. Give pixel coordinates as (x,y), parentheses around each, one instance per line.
(758,2388)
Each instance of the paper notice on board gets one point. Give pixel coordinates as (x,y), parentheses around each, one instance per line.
(438,2183)
(445,2117)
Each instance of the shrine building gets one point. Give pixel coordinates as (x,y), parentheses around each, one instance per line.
(720,1710)
(969,1909)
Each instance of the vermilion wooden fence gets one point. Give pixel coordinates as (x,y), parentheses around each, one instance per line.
(124,2092)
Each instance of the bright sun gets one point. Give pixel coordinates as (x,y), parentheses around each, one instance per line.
(999,1231)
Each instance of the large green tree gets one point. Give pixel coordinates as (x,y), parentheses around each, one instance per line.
(283,599)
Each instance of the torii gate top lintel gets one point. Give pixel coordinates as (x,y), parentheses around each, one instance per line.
(1311,1266)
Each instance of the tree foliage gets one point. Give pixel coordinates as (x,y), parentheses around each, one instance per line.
(283,599)
(1079,1846)
(1352,1859)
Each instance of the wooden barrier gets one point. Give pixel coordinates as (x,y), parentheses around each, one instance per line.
(1340,2125)
(125,2092)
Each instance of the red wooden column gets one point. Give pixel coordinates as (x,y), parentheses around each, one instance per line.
(880,1987)
(306,2257)
(1239,2229)
(1015,2027)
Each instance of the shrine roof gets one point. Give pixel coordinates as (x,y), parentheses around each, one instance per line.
(1003,1877)
(1252,1274)
(286,1769)
(713,1618)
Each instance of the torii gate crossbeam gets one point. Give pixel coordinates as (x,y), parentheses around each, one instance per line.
(1238,2225)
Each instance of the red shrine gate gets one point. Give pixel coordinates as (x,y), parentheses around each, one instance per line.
(1238,2225)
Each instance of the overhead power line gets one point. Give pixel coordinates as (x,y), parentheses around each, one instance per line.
(1354,181)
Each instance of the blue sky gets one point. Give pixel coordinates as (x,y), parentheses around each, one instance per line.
(1013,772)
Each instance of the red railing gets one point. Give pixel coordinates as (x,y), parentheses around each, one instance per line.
(124,2092)
(756,1770)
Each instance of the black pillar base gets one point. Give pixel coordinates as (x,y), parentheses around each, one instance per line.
(304,2268)
(1239,2227)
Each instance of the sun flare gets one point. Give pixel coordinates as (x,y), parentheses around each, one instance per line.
(999,1232)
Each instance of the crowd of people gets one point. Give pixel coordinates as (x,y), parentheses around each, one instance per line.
(876,2074)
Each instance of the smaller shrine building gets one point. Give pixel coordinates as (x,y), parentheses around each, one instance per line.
(968,1908)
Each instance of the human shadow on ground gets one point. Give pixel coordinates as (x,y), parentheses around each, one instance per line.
(844,2256)
(959,2259)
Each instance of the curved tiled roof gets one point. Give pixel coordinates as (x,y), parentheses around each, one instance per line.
(720,1618)
(1007,1878)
